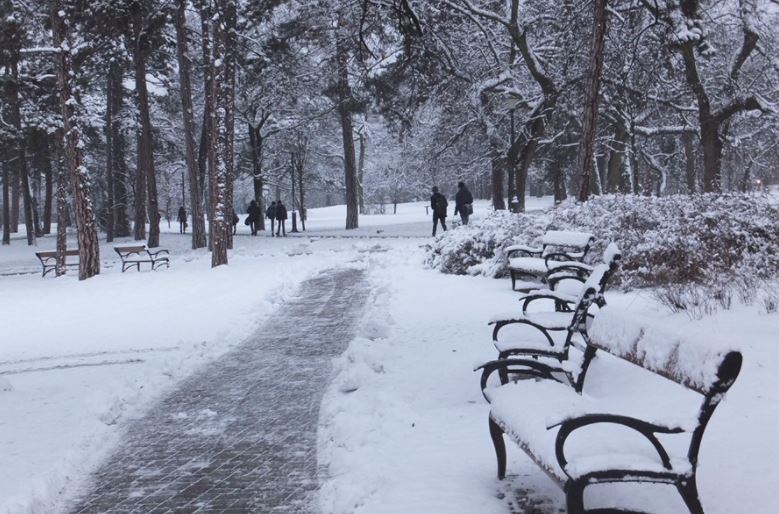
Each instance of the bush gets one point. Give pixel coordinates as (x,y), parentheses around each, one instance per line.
(699,250)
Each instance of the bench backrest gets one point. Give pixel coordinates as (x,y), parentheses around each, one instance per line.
(567,239)
(124,250)
(53,253)
(704,368)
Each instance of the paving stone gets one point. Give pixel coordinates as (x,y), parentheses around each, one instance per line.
(240,435)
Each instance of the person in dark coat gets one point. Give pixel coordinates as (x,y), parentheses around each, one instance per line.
(254,216)
(281,217)
(463,202)
(235,221)
(438,204)
(270,213)
(182,220)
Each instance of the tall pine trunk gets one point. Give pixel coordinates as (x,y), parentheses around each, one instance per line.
(12,90)
(62,209)
(88,248)
(146,141)
(6,206)
(206,150)
(110,224)
(196,198)
(345,107)
(255,142)
(590,115)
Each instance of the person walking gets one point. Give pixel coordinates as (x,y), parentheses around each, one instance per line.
(438,204)
(463,202)
(270,213)
(235,221)
(281,218)
(254,216)
(182,220)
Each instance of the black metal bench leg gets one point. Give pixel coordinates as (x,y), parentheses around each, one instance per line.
(513,281)
(496,433)
(574,496)
(689,492)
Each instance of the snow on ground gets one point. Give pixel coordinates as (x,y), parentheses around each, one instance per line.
(82,357)
(404,426)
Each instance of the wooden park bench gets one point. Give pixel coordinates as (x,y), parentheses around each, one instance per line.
(571,314)
(623,431)
(528,266)
(49,259)
(139,254)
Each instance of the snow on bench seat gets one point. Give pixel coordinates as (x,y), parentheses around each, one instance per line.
(567,238)
(693,364)
(539,265)
(523,248)
(529,410)
(551,320)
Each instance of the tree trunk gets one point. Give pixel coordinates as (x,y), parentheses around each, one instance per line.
(139,222)
(361,172)
(117,162)
(498,164)
(196,198)
(302,204)
(230,13)
(6,206)
(206,150)
(88,248)
(345,101)
(146,141)
(43,164)
(113,70)
(689,155)
(255,142)
(62,213)
(590,115)
(615,181)
(15,118)
(15,199)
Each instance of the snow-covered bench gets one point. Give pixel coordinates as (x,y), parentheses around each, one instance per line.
(139,254)
(528,266)
(625,430)
(571,313)
(569,276)
(49,260)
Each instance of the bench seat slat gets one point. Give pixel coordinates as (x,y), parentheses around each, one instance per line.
(525,410)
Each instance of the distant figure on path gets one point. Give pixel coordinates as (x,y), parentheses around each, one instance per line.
(254,216)
(235,221)
(439,204)
(271,215)
(182,220)
(281,217)
(463,202)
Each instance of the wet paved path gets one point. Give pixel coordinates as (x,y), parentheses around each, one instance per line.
(240,435)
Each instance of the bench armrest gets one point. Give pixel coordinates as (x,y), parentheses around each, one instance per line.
(527,367)
(156,253)
(505,322)
(645,428)
(523,251)
(543,295)
(549,293)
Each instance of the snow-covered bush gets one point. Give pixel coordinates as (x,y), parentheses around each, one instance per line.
(478,248)
(698,251)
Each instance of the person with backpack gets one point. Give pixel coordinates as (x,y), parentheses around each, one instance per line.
(281,217)
(270,213)
(438,204)
(463,202)
(254,216)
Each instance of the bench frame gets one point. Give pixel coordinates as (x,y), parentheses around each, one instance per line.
(154,257)
(548,252)
(49,260)
(684,481)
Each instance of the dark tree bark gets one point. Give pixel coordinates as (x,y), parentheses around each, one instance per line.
(6,206)
(256,142)
(117,161)
(62,209)
(139,204)
(230,13)
(146,140)
(689,155)
(113,70)
(88,248)
(196,198)
(345,109)
(42,164)
(590,115)
(206,149)
(361,170)
(15,199)
(615,180)
(223,98)
(15,119)
(498,164)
